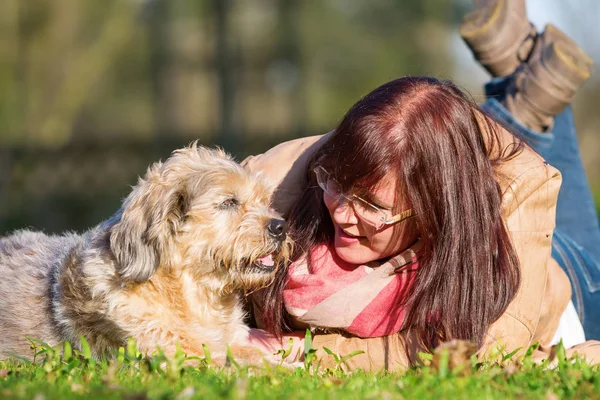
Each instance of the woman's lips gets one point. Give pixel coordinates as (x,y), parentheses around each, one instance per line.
(347,238)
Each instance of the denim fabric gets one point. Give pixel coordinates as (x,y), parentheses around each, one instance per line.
(576,242)
(584,275)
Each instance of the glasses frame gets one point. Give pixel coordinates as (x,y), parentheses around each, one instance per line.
(321,174)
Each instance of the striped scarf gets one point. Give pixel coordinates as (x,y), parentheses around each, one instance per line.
(364,300)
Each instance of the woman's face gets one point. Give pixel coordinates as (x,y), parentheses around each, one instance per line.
(357,242)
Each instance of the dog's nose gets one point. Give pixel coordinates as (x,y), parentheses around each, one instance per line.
(276,228)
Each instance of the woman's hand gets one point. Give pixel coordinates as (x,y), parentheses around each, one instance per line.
(271,345)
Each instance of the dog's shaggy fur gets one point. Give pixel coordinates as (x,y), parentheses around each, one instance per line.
(167,268)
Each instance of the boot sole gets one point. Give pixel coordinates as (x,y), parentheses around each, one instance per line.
(497,33)
(482,23)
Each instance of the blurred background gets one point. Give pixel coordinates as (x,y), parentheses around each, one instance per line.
(91,92)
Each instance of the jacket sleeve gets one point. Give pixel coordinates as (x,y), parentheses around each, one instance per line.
(284,167)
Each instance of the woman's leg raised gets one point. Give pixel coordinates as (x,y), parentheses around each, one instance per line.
(543,73)
(576,214)
(576,243)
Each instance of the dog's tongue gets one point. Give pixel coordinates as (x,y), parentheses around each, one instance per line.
(267,260)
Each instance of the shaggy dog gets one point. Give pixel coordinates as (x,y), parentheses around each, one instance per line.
(167,268)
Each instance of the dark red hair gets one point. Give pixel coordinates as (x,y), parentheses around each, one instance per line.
(445,151)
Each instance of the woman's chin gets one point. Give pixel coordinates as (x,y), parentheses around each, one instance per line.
(353,252)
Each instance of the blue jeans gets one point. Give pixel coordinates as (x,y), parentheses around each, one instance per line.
(576,240)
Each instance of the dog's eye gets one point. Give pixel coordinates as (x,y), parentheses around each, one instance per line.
(229,203)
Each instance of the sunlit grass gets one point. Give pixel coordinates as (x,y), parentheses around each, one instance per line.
(70,373)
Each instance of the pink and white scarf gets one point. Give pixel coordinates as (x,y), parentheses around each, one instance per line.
(362,300)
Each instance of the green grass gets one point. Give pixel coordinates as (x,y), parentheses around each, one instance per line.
(68,373)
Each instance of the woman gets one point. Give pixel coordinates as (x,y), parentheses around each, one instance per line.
(420,219)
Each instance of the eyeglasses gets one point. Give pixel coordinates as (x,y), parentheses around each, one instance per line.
(365,210)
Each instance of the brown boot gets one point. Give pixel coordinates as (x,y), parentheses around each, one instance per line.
(547,83)
(499,34)
(552,34)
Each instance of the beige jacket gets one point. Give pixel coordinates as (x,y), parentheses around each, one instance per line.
(530,188)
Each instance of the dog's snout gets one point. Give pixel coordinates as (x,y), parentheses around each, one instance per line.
(276,228)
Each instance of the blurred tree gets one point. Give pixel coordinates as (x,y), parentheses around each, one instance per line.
(93,91)
(10,109)
(61,55)
(230,135)
(87,69)
(290,58)
(159,60)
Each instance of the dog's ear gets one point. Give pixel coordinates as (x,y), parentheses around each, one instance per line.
(150,216)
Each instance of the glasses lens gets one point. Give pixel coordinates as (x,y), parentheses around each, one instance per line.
(368,212)
(334,188)
(327,183)
(321,176)
(365,210)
